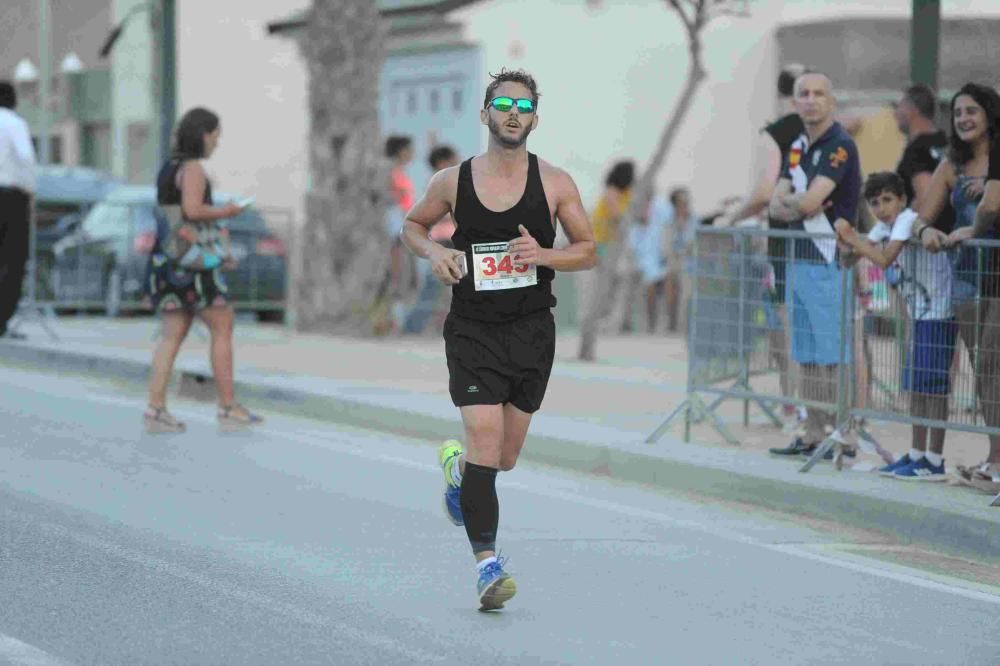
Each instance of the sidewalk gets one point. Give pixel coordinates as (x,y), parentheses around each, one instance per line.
(595,418)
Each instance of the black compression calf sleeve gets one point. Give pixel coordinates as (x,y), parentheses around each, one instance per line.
(480,507)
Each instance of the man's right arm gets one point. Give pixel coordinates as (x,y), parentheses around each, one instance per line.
(769,169)
(432,206)
(25,149)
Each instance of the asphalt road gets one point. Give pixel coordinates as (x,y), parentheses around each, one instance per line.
(306,543)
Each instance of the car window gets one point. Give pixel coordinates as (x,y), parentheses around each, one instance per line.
(107,220)
(144,219)
(247,221)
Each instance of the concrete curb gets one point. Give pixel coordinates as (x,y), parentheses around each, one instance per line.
(913,516)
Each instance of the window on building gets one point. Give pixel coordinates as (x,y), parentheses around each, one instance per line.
(140,153)
(411,102)
(95,146)
(456,100)
(55,148)
(435,100)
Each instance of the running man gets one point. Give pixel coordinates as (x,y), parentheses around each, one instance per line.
(500,334)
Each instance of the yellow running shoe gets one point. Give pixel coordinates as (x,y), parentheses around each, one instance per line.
(448,454)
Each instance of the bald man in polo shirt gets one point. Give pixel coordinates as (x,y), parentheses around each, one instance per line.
(820,184)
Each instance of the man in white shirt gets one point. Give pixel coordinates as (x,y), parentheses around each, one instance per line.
(17,184)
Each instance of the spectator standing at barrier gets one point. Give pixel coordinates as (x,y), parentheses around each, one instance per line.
(647,246)
(431,289)
(926,145)
(679,246)
(924,282)
(178,294)
(774,142)
(596,289)
(400,277)
(986,476)
(820,185)
(17,184)
(975,133)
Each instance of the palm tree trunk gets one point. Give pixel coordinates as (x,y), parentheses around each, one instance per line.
(341,256)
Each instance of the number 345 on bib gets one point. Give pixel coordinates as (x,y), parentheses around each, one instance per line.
(494,268)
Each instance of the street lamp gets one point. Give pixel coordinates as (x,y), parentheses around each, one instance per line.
(71,64)
(25,71)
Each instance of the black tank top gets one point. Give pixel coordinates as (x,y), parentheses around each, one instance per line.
(477,224)
(167,192)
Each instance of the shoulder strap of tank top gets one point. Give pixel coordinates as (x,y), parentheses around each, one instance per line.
(534,189)
(465,188)
(465,171)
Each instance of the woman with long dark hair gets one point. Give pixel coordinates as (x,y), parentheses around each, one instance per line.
(975,126)
(179,291)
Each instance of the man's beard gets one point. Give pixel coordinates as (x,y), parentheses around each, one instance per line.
(506,141)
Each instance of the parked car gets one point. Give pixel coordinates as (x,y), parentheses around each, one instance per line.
(63,195)
(102,264)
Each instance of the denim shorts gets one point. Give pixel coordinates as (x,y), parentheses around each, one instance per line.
(814,293)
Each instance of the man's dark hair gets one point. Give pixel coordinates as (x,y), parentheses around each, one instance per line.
(923,100)
(513,76)
(884,181)
(396,144)
(676,193)
(786,79)
(960,152)
(439,155)
(189,137)
(8,96)
(622,175)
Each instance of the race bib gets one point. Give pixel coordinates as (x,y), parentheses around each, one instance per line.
(494,268)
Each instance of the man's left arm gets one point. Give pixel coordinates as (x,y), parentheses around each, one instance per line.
(581,253)
(810,202)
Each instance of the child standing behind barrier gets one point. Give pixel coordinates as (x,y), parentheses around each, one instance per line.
(924,281)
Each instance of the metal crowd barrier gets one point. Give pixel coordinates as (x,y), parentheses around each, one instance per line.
(742,324)
(101,264)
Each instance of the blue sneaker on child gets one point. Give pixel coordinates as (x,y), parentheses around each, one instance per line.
(495,586)
(889,469)
(921,470)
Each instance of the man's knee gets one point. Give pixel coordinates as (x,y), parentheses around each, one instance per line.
(507,464)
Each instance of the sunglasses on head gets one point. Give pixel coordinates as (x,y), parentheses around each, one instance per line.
(505,104)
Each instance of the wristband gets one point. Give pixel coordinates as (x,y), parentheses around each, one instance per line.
(920,234)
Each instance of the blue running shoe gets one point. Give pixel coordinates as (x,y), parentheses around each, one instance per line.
(448,454)
(495,586)
(921,470)
(889,469)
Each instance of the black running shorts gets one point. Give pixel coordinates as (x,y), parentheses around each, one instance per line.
(498,363)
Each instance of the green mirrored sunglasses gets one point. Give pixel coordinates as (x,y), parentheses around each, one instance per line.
(505,104)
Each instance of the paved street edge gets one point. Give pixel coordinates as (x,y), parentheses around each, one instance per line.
(948,531)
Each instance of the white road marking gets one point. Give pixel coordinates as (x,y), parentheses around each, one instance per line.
(897,573)
(18,653)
